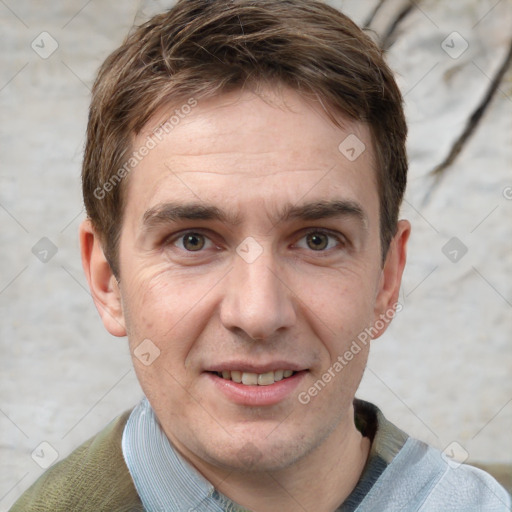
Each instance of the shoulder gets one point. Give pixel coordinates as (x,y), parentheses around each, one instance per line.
(421,478)
(92,478)
(465,487)
(407,474)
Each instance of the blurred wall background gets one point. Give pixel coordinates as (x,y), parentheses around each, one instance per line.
(441,372)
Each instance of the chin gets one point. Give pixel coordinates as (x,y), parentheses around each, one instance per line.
(251,458)
(255,453)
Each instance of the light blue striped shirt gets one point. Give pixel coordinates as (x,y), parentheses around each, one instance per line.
(164,480)
(401,474)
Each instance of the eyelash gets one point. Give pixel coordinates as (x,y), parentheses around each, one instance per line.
(338,237)
(341,241)
(180,236)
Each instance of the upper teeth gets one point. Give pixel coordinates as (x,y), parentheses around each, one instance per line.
(255,379)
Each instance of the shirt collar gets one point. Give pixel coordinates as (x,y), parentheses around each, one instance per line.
(164,480)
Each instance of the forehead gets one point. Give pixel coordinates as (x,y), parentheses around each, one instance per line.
(243,150)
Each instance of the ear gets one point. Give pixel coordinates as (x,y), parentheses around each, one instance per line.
(390,279)
(102,282)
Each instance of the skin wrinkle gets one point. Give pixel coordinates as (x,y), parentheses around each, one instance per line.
(258,144)
(290,304)
(327,73)
(234,173)
(249,176)
(169,213)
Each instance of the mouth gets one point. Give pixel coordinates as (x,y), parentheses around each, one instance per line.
(255,379)
(250,385)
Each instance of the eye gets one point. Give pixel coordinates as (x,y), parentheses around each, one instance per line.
(192,241)
(319,241)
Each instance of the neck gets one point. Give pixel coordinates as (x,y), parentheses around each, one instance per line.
(321,481)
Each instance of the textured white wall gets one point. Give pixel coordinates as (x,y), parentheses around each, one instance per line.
(442,372)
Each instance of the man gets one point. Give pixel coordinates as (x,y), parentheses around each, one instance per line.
(244,168)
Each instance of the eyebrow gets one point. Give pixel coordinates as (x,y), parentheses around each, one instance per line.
(316,210)
(172,212)
(325,209)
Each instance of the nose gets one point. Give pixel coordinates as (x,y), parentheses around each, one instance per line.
(257,299)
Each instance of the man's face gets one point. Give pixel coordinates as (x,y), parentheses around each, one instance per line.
(250,245)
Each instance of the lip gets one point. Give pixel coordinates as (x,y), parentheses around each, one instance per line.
(241,394)
(244,366)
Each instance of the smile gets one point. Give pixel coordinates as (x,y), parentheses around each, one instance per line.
(256,389)
(255,379)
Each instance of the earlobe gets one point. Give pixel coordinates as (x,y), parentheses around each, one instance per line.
(102,282)
(391,277)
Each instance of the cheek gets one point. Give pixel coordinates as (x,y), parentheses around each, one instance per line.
(168,308)
(341,303)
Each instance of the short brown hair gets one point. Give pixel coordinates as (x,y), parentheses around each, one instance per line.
(203,48)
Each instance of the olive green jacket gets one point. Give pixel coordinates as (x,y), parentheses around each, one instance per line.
(94,478)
